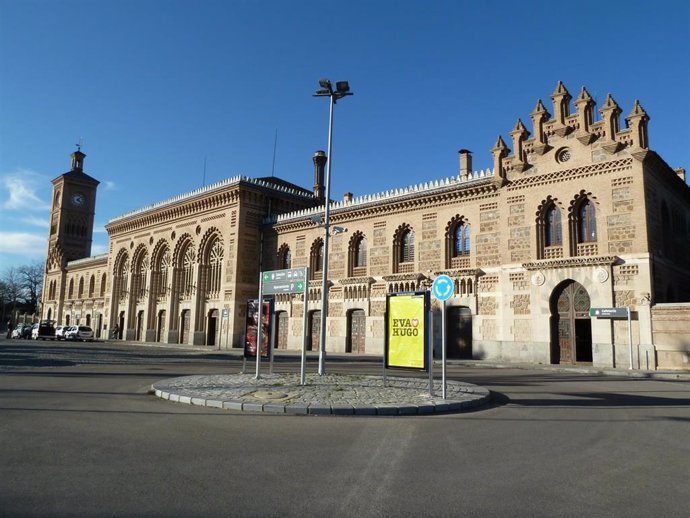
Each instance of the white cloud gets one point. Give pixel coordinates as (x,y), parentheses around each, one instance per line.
(23,244)
(18,190)
(109,185)
(99,229)
(36,221)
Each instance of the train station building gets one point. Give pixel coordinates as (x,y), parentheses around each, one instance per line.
(577,212)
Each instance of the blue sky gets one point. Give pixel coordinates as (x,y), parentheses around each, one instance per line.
(155,88)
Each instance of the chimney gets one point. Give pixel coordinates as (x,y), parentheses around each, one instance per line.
(319,167)
(680,171)
(347,197)
(465,163)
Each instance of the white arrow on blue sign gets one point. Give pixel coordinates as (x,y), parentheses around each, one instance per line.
(443,287)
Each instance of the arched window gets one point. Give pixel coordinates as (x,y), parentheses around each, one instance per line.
(81,288)
(188,271)
(553,235)
(549,232)
(586,223)
(316,259)
(70,293)
(461,238)
(161,270)
(407,247)
(103,278)
(92,285)
(213,261)
(403,250)
(357,252)
(284,258)
(361,253)
(140,273)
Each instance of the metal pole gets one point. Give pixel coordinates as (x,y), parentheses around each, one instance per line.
(304,324)
(630,344)
(326,225)
(443,348)
(431,351)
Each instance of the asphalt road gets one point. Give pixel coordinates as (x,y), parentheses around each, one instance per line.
(80,435)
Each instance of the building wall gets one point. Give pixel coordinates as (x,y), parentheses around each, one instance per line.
(511,280)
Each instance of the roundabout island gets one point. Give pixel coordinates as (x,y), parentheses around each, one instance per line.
(331,394)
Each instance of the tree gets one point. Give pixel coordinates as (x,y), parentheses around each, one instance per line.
(20,288)
(31,282)
(13,287)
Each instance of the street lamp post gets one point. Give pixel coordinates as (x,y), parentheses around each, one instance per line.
(342,89)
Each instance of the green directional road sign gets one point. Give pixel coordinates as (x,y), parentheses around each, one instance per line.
(608,312)
(291,280)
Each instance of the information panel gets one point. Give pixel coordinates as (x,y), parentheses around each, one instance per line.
(252,329)
(407,330)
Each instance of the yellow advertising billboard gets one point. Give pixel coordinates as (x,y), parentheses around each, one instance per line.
(406,330)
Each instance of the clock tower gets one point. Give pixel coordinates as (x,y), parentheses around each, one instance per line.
(71,215)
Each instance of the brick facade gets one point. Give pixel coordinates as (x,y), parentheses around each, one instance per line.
(577,202)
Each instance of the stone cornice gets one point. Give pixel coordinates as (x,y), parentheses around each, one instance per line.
(356,280)
(397,277)
(572,262)
(461,272)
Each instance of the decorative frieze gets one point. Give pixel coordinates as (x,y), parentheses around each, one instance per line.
(573,262)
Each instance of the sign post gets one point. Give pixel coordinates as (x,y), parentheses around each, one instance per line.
(442,289)
(290,280)
(613,313)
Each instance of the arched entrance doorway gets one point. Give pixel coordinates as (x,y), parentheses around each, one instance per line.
(212,327)
(140,325)
(184,325)
(459,332)
(160,330)
(356,331)
(121,325)
(571,327)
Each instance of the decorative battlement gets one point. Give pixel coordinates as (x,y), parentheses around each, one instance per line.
(235,180)
(391,195)
(547,129)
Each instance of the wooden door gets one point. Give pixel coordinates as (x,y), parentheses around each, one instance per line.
(161,326)
(572,330)
(184,336)
(459,332)
(282,334)
(315,331)
(357,332)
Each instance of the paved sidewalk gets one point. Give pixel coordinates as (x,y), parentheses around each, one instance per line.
(328,394)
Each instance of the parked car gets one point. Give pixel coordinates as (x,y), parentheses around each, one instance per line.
(60,332)
(84,333)
(44,330)
(21,331)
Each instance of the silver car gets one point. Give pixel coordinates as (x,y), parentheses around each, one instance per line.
(84,333)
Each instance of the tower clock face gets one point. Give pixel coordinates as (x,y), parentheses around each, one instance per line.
(77,199)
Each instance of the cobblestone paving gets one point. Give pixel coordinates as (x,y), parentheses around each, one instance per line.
(328,394)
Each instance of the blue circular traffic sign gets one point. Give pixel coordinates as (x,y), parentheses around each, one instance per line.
(443,287)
